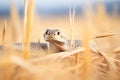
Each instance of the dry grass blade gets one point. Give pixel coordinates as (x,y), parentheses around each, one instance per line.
(71,18)
(18,61)
(106,35)
(117,50)
(25,17)
(71,25)
(80,50)
(110,62)
(76,58)
(112,67)
(7,66)
(3,61)
(58,56)
(15,22)
(22,63)
(4,32)
(49,57)
(28,28)
(87,58)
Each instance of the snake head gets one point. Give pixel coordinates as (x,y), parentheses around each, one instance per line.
(54,36)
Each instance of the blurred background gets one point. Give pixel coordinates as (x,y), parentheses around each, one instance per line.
(78,19)
(102,16)
(51,8)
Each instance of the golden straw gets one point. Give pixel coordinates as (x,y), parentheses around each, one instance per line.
(76,58)
(28,28)
(3,34)
(87,53)
(25,17)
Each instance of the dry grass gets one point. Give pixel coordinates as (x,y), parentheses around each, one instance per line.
(3,33)
(96,62)
(28,28)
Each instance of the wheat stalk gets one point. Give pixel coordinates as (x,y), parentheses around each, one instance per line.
(4,32)
(25,17)
(72,19)
(28,28)
(7,66)
(87,58)
(15,20)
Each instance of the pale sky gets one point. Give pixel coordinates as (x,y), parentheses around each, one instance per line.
(48,3)
(43,3)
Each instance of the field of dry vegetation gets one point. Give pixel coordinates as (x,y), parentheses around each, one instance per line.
(102,62)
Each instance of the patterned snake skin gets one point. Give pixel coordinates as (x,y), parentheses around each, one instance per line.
(56,38)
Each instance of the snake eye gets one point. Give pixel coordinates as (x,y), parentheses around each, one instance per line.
(58,33)
(47,32)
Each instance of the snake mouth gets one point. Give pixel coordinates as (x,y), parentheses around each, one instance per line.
(54,40)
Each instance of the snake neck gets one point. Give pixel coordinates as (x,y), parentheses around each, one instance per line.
(58,46)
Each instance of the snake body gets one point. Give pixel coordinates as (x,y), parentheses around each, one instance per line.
(57,43)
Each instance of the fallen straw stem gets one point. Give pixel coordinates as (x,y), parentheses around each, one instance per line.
(106,35)
(59,56)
